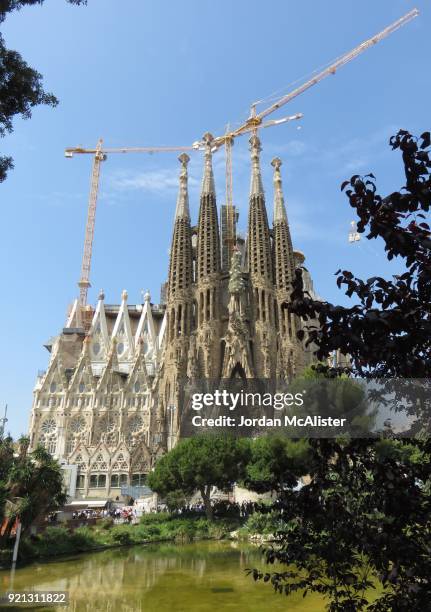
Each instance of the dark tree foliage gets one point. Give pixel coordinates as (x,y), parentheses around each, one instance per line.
(7,6)
(31,484)
(388,333)
(20,85)
(200,464)
(365,516)
(276,463)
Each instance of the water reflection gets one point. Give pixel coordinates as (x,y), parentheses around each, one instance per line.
(165,577)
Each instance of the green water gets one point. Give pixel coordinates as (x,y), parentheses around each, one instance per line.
(201,576)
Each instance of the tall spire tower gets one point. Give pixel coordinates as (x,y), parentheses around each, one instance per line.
(179,307)
(208,266)
(284,270)
(259,242)
(208,244)
(260,267)
(180,265)
(284,262)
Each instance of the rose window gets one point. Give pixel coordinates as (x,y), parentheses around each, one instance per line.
(77,425)
(136,424)
(49,426)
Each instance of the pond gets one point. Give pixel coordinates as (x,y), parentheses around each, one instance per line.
(201,576)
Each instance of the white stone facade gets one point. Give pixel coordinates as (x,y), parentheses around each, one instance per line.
(94,405)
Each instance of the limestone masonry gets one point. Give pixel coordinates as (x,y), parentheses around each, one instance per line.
(110,401)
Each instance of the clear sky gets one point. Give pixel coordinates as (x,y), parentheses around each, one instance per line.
(145,72)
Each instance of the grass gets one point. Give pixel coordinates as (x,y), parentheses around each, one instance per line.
(157,527)
(59,540)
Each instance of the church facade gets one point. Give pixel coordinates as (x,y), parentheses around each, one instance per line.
(110,401)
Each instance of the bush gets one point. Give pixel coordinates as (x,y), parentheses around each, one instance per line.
(221,529)
(106,523)
(155,517)
(121,535)
(54,541)
(263,523)
(83,538)
(153,530)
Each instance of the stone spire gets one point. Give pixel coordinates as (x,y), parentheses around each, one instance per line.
(256,186)
(208,239)
(279,207)
(181,265)
(284,261)
(182,210)
(208,178)
(259,242)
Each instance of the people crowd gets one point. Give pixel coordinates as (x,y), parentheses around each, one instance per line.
(126,514)
(221,508)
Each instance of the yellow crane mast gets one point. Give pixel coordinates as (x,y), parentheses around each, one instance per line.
(252,124)
(100,153)
(255,120)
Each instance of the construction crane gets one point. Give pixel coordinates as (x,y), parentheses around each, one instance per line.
(255,120)
(252,124)
(100,154)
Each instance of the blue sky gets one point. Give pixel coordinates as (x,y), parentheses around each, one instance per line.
(141,72)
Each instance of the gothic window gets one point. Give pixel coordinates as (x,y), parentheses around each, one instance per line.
(70,445)
(96,348)
(136,423)
(138,480)
(98,481)
(77,425)
(140,464)
(48,426)
(51,444)
(81,387)
(137,386)
(80,481)
(99,464)
(53,387)
(120,464)
(79,461)
(111,440)
(106,424)
(130,440)
(115,479)
(120,348)
(48,436)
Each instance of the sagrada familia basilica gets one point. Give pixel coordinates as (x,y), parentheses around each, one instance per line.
(110,401)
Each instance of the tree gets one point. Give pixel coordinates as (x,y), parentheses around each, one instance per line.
(276,464)
(366,512)
(199,464)
(337,396)
(20,85)
(30,485)
(388,333)
(365,516)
